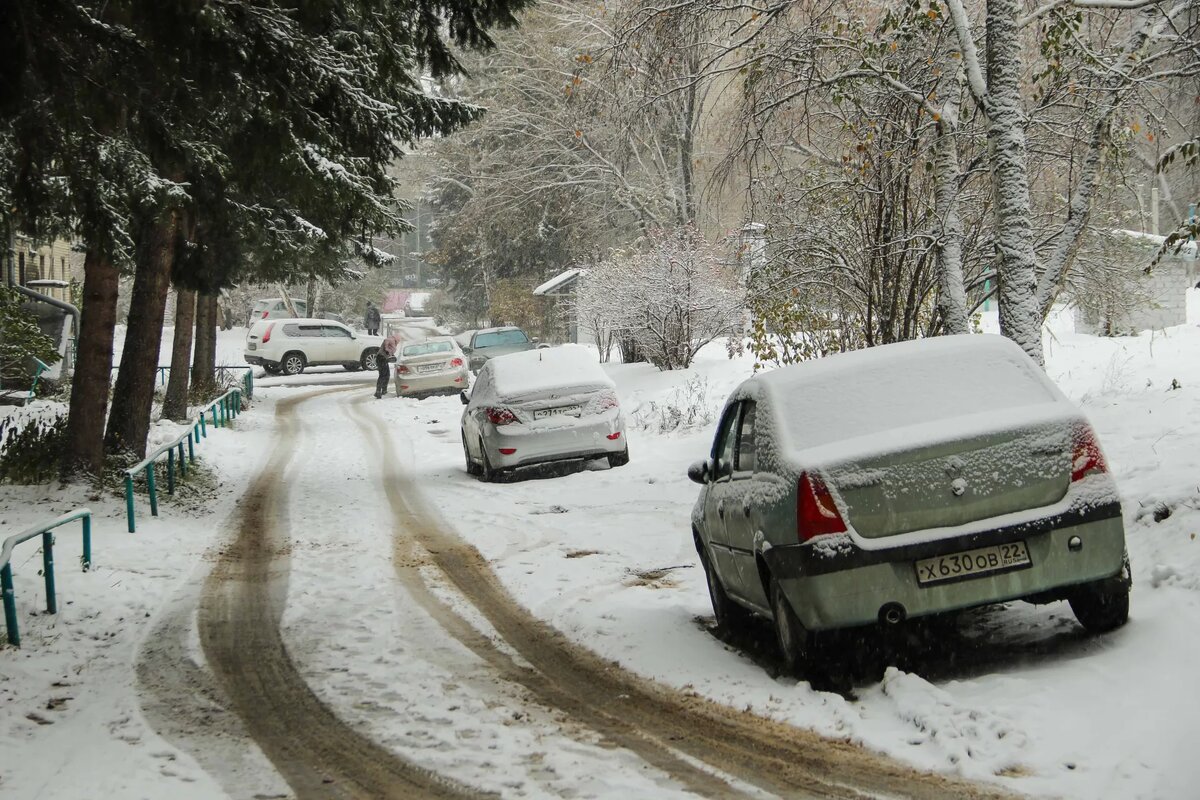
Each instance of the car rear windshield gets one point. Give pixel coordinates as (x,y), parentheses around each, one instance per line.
(496,338)
(425,348)
(913,390)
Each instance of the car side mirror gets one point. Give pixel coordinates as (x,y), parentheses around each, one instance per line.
(466,351)
(698,472)
(463,397)
(535,340)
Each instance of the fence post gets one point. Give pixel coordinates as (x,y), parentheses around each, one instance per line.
(129,500)
(171,471)
(214,413)
(249,381)
(48,571)
(203,428)
(87,542)
(153,490)
(191,446)
(10,605)
(182,460)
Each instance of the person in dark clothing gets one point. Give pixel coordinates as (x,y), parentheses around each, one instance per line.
(371,319)
(383,362)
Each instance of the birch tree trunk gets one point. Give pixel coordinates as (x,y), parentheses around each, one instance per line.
(93,367)
(1020,318)
(133,395)
(952,295)
(176,403)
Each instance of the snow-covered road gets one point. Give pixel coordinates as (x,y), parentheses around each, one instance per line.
(376,624)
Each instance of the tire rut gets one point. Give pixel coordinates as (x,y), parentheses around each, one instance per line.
(662,725)
(240,611)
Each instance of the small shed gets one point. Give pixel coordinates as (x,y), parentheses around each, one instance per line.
(562,287)
(1148,300)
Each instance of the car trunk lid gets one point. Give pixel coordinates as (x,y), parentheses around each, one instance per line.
(955,481)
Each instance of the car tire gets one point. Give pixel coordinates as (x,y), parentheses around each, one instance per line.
(619,459)
(1102,606)
(352,366)
(795,642)
(472,467)
(292,363)
(368,359)
(487,473)
(730,617)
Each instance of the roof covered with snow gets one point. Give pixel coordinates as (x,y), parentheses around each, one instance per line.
(559,282)
(534,372)
(864,393)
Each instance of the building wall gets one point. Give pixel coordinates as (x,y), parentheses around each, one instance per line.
(1165,299)
(31,261)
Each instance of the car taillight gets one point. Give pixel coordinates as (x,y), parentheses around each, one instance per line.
(267,333)
(507,451)
(456,362)
(402,369)
(816,513)
(266,314)
(1087,459)
(607,400)
(612,437)
(499,416)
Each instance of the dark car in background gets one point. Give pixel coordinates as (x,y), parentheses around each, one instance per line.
(491,342)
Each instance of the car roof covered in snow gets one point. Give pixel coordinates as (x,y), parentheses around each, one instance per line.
(863,394)
(533,372)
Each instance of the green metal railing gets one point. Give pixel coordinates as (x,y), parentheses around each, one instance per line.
(223,410)
(43,530)
(39,367)
(247,379)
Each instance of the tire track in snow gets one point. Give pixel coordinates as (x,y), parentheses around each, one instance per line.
(666,727)
(318,754)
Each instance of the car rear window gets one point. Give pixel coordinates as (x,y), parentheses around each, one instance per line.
(425,348)
(917,389)
(496,338)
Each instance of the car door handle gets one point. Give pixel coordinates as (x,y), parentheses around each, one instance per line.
(721,509)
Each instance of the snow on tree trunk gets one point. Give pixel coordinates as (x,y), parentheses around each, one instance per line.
(133,395)
(93,367)
(175,404)
(952,295)
(1020,318)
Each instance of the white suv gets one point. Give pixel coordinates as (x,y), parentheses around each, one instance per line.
(290,345)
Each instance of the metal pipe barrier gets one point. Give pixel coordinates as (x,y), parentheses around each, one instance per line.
(247,378)
(43,530)
(223,410)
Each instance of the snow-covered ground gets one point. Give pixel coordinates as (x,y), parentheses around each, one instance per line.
(605,556)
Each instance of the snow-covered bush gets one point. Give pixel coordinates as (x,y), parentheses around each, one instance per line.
(664,300)
(690,406)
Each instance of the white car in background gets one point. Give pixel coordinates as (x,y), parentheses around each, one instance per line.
(290,345)
(274,308)
(540,406)
(431,366)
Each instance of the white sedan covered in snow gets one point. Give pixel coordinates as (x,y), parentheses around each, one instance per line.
(540,406)
(903,481)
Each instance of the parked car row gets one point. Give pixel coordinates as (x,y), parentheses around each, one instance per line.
(290,345)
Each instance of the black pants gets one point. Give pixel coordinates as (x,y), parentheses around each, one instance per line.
(372,331)
(384,369)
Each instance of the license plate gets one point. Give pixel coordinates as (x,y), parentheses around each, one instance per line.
(252,346)
(561,411)
(969,563)
(429,368)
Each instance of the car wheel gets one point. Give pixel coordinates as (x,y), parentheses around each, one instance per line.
(369,359)
(729,615)
(292,363)
(352,366)
(619,459)
(1102,606)
(472,467)
(487,473)
(794,640)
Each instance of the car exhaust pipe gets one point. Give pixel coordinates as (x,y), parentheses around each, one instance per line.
(891,614)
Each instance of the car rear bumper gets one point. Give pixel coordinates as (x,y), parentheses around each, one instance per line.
(437,382)
(540,446)
(844,586)
(258,360)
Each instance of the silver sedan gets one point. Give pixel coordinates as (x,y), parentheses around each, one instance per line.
(541,406)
